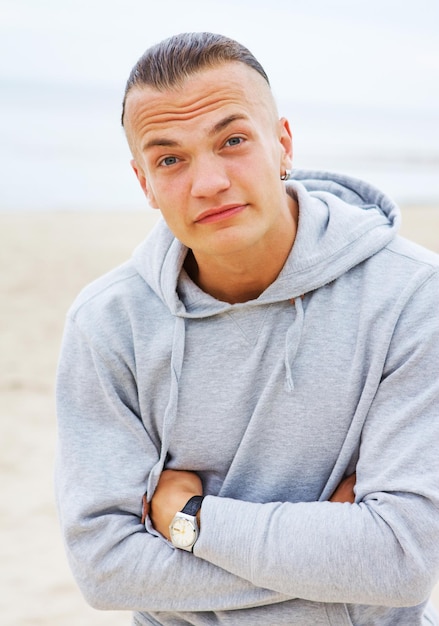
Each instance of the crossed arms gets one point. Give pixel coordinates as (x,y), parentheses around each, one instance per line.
(175,488)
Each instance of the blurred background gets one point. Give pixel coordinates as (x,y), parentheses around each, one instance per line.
(359,82)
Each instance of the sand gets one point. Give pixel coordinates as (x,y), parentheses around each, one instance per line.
(45,258)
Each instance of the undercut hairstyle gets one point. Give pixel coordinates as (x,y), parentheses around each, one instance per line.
(167,64)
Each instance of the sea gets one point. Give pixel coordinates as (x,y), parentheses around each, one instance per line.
(62,147)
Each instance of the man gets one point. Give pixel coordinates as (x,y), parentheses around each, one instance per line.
(270,340)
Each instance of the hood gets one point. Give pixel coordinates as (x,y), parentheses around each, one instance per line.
(342,222)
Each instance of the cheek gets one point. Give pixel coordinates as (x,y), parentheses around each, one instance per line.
(170,197)
(161,193)
(169,186)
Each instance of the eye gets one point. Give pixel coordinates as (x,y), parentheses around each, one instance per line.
(234,141)
(167,161)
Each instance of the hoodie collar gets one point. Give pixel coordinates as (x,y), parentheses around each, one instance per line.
(342,222)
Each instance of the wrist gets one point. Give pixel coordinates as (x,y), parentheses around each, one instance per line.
(184,528)
(180,502)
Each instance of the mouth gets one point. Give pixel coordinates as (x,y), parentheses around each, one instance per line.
(219,213)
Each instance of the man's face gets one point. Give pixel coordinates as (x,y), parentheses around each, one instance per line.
(209,155)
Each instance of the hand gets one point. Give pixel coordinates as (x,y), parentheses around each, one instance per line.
(175,488)
(345,490)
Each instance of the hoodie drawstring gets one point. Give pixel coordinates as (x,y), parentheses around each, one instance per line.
(292,341)
(178,343)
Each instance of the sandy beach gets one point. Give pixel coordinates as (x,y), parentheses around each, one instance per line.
(45,258)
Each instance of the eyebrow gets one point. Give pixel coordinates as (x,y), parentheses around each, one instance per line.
(222,124)
(167,143)
(217,128)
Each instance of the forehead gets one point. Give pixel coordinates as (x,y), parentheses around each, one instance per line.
(232,87)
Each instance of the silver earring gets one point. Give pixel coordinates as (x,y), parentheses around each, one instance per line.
(286,176)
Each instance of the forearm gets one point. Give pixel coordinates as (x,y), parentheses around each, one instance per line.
(320,551)
(137,571)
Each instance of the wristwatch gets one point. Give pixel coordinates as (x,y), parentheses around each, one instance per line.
(184,529)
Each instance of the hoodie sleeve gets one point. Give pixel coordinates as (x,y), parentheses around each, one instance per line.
(384,549)
(104,455)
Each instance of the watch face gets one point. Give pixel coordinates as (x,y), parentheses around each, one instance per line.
(183,532)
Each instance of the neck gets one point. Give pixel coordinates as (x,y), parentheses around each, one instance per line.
(245,276)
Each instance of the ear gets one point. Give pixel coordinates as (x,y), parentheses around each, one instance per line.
(144,184)
(286,141)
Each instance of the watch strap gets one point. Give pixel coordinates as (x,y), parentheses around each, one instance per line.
(193,505)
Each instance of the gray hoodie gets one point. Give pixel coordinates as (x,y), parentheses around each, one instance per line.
(272,402)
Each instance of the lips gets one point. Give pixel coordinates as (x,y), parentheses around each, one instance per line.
(219,213)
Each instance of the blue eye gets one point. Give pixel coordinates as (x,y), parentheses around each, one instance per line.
(234,141)
(170,160)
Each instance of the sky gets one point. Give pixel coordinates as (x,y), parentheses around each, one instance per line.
(358,79)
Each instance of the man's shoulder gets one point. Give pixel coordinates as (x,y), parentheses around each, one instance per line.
(413,254)
(404,267)
(107,286)
(120,293)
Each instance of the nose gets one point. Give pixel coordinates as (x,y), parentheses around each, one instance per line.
(209,177)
